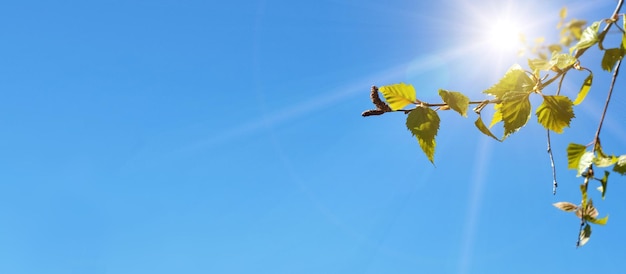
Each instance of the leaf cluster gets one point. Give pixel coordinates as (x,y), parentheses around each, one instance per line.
(510,98)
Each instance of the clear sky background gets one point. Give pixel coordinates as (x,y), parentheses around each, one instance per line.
(226,137)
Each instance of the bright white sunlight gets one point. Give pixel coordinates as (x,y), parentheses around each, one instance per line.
(503,35)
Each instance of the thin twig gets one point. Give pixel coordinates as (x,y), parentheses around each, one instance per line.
(608,26)
(606,103)
(554,183)
(558,89)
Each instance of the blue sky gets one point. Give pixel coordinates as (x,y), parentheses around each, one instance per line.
(226,137)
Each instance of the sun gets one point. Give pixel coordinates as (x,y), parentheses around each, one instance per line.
(503,35)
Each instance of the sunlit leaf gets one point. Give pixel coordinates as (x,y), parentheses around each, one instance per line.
(585,162)
(455,100)
(515,79)
(398,95)
(566,40)
(555,113)
(555,48)
(574,153)
(559,61)
(602,159)
(563,13)
(620,166)
(583,204)
(585,233)
(423,123)
(497,115)
(604,181)
(610,58)
(601,221)
(562,60)
(575,26)
(588,38)
(515,111)
(481,126)
(539,64)
(584,89)
(605,161)
(566,206)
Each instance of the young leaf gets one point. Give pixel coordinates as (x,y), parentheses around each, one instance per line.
(588,38)
(566,206)
(456,100)
(555,48)
(585,162)
(558,61)
(497,115)
(585,233)
(514,80)
(555,113)
(583,204)
(515,111)
(584,89)
(610,58)
(562,60)
(481,126)
(563,13)
(398,95)
(575,27)
(539,64)
(604,182)
(602,159)
(574,153)
(620,166)
(601,221)
(423,123)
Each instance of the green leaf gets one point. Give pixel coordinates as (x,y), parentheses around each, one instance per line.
(455,100)
(604,182)
(602,159)
(555,113)
(398,95)
(497,115)
(563,13)
(559,61)
(566,206)
(562,60)
(423,123)
(555,48)
(588,38)
(585,233)
(575,27)
(515,111)
(584,89)
(620,166)
(583,191)
(515,79)
(574,153)
(481,126)
(585,162)
(610,58)
(539,64)
(601,221)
